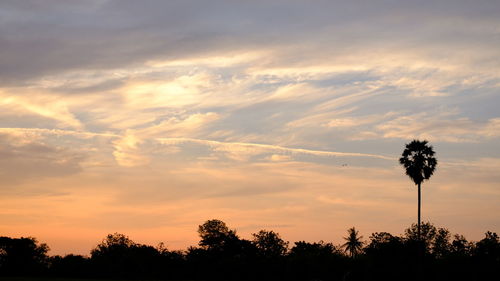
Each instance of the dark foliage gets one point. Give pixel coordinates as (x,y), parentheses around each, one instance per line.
(22,256)
(223,255)
(117,256)
(315,261)
(70,266)
(353,244)
(418,160)
(216,236)
(269,244)
(487,253)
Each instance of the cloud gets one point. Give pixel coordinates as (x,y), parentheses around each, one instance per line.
(439,127)
(121,34)
(491,129)
(32,133)
(256,148)
(133,149)
(278,157)
(359,121)
(299,91)
(175,127)
(347,202)
(127,151)
(42,106)
(182,91)
(27,159)
(214,61)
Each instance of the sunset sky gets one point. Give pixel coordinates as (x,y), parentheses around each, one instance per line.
(148,118)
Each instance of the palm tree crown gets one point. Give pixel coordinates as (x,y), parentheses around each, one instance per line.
(354,245)
(418,160)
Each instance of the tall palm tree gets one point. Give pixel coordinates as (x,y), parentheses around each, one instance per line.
(419,161)
(354,245)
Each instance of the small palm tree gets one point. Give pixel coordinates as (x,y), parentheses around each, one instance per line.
(419,161)
(354,245)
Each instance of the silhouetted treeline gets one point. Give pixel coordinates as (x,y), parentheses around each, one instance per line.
(222,255)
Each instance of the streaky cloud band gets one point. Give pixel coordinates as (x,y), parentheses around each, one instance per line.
(57,132)
(234,146)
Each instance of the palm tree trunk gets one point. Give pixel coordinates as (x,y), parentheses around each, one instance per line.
(419,200)
(422,250)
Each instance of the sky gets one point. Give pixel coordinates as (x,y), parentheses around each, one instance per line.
(148,118)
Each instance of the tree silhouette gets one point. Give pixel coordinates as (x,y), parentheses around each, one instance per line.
(22,256)
(117,256)
(460,246)
(314,261)
(269,244)
(215,235)
(487,253)
(441,246)
(425,235)
(354,245)
(489,247)
(419,161)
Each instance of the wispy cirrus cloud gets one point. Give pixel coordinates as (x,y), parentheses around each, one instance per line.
(260,148)
(440,127)
(31,133)
(38,105)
